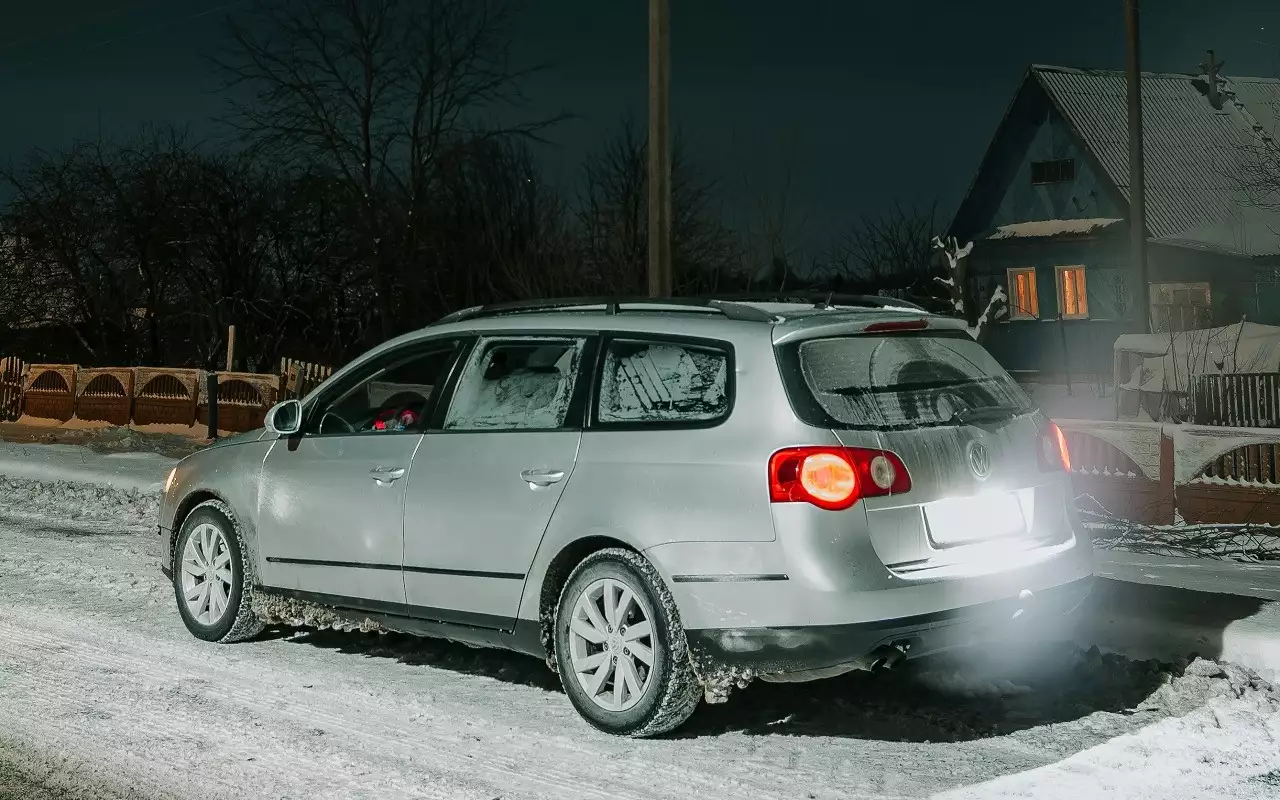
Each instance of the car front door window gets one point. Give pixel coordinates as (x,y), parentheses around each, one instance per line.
(393,397)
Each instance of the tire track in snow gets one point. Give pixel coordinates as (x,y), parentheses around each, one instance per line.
(524,769)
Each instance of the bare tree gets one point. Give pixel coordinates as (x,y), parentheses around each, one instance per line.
(613,221)
(890,249)
(375,91)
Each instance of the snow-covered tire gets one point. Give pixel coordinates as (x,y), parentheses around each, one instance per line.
(670,690)
(237,621)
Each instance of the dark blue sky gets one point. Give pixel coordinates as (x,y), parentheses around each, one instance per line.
(874,102)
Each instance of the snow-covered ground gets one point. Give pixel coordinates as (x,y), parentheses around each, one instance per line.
(104,694)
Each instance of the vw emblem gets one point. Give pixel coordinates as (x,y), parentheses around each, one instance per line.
(979,460)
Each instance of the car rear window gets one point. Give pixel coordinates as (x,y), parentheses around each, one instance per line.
(905,381)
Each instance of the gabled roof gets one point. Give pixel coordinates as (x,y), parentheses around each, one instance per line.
(1198,158)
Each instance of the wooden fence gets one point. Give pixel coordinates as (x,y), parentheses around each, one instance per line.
(11,371)
(1248,400)
(300,377)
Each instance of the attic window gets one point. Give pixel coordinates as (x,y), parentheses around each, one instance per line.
(1060,170)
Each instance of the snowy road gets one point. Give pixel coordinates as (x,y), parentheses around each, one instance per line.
(104,694)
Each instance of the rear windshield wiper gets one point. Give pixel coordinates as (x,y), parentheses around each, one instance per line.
(986,414)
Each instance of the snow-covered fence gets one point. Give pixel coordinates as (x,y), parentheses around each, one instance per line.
(1242,399)
(11,369)
(105,394)
(49,391)
(1154,473)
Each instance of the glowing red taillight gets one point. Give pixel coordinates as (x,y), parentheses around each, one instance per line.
(1054,454)
(835,478)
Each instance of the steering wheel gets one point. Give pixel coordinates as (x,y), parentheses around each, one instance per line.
(346,426)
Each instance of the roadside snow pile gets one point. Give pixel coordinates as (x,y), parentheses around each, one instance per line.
(56,462)
(86,506)
(1223,741)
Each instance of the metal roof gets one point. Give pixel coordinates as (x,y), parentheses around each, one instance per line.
(1197,158)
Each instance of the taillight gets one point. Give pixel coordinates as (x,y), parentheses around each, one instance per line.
(1054,454)
(835,478)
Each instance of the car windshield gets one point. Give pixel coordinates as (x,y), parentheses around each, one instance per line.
(895,382)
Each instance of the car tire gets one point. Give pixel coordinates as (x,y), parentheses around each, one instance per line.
(223,610)
(596,651)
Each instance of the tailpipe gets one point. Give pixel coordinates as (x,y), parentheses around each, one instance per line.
(888,656)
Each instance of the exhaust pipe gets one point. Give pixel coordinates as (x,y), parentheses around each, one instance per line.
(888,656)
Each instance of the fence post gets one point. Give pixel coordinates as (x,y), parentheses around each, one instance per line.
(1168,491)
(211,391)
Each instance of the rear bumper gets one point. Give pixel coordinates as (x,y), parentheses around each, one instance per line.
(775,650)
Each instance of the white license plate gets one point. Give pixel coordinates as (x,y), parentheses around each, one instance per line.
(970,519)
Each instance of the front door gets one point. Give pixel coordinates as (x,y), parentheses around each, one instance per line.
(484,485)
(331,505)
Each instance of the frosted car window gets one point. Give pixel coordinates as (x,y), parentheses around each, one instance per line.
(897,382)
(516,386)
(661,382)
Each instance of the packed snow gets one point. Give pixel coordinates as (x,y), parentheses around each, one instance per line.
(103,693)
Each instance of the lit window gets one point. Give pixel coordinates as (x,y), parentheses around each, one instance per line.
(1073,300)
(1023,301)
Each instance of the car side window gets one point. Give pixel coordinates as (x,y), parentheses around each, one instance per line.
(663,382)
(516,384)
(394,398)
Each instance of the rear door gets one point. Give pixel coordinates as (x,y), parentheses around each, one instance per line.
(486,479)
(965,430)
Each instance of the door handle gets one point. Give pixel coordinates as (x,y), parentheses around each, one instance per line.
(542,477)
(386,475)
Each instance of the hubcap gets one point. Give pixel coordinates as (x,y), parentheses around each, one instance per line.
(206,574)
(611,644)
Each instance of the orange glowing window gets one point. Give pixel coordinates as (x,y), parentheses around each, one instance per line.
(1073,300)
(1024,303)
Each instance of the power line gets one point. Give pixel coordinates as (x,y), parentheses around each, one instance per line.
(130,35)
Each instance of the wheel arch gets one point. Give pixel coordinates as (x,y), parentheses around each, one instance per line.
(190,502)
(556,575)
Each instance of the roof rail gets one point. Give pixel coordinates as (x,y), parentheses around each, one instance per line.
(819,299)
(612,305)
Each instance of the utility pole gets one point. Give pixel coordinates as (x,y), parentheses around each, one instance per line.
(1137,178)
(660,280)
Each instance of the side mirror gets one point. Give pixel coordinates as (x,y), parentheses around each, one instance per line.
(285,418)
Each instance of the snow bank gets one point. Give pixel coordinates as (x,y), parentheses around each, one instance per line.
(1228,747)
(78,506)
(143,472)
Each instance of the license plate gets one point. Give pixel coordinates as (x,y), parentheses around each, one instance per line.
(971,519)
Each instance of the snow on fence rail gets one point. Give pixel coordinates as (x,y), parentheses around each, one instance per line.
(1152,473)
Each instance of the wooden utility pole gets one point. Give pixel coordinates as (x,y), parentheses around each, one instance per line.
(1137,178)
(231,348)
(660,280)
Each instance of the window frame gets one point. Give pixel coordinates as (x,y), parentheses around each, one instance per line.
(574,415)
(1060,273)
(1056,166)
(607,338)
(382,362)
(1012,291)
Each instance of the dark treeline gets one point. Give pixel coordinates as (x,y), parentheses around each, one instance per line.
(367,191)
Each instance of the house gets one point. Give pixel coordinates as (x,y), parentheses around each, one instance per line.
(1047,212)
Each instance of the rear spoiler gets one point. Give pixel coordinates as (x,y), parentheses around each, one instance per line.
(863,323)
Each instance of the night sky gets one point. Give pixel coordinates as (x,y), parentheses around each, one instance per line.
(875,102)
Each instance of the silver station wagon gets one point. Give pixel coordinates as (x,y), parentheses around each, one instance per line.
(664,500)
